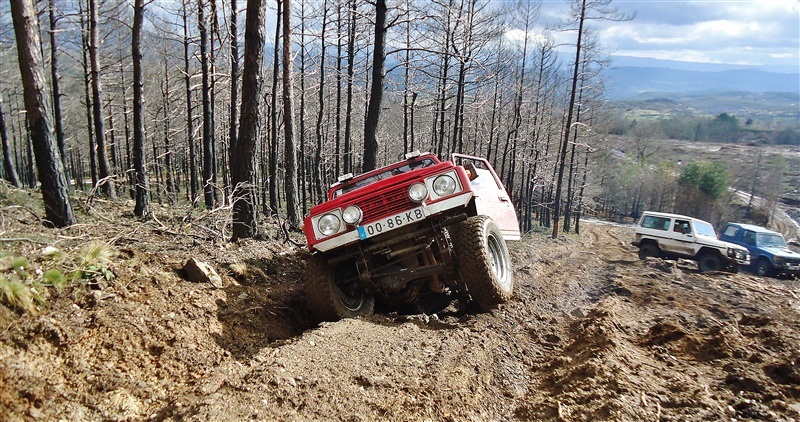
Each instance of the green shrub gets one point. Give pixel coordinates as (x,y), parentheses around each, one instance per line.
(21,283)
(15,293)
(95,259)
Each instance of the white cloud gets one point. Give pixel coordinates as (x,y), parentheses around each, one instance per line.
(763,32)
(517,36)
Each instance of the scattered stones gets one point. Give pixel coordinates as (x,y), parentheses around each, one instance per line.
(200,272)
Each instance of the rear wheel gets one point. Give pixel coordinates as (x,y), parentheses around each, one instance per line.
(763,267)
(709,262)
(649,250)
(333,295)
(484,261)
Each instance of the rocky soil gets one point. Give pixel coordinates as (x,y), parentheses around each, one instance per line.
(592,333)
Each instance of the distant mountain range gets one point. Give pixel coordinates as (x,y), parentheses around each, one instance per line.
(643,78)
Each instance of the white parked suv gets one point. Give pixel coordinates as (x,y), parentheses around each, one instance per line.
(678,236)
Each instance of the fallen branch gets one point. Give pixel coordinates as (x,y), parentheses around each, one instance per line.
(23,239)
(289,238)
(10,207)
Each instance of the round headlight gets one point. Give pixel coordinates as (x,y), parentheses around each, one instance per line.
(352,214)
(444,185)
(328,224)
(417,192)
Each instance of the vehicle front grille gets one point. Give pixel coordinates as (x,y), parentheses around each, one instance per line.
(793,261)
(387,203)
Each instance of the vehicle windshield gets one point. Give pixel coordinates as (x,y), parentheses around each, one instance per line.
(408,166)
(770,240)
(704,229)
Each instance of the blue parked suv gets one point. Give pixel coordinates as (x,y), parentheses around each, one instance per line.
(769,254)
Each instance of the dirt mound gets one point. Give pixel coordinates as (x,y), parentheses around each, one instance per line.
(591,333)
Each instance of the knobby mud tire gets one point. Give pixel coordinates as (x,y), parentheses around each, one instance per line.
(329,302)
(763,268)
(649,250)
(484,261)
(709,262)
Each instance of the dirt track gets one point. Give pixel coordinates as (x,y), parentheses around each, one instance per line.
(591,333)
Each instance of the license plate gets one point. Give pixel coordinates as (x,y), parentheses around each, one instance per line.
(793,267)
(390,223)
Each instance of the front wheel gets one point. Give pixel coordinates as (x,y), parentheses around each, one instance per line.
(333,295)
(484,261)
(649,250)
(763,267)
(709,262)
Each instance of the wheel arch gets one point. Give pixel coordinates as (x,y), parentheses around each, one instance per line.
(765,257)
(706,250)
(649,241)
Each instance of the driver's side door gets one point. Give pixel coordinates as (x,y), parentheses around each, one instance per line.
(491,197)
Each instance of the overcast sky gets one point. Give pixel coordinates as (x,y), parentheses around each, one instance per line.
(760,32)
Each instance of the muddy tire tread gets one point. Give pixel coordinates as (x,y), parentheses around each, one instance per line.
(321,296)
(473,257)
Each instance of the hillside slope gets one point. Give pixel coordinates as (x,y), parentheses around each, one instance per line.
(591,333)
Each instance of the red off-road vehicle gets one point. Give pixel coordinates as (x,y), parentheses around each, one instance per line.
(419,232)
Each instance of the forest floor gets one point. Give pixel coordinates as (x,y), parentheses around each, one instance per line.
(592,333)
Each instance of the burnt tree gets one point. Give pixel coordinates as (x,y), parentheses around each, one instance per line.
(244,192)
(58,210)
(105,181)
(376,90)
(142,208)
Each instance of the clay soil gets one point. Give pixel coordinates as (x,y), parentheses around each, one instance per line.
(592,333)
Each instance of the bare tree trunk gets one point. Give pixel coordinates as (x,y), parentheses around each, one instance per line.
(348,120)
(406,82)
(273,146)
(244,192)
(321,98)
(106,182)
(31,160)
(493,120)
(87,83)
(57,120)
(189,118)
(157,171)
(8,164)
(51,171)
(212,65)
(464,56)
(517,122)
(112,137)
(338,134)
(376,91)
(579,208)
(128,162)
(290,153)
(208,156)
(170,183)
(142,208)
(572,169)
(439,117)
(234,86)
(561,163)
(411,118)
(442,101)
(303,162)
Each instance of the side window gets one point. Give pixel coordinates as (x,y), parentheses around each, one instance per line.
(653,222)
(749,237)
(731,231)
(682,226)
(477,171)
